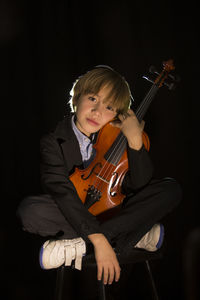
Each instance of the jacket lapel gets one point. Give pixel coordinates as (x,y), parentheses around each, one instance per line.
(69,144)
(71,153)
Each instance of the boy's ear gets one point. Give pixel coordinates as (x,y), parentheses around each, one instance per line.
(74,104)
(75,100)
(74,107)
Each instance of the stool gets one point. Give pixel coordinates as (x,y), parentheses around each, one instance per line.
(136,256)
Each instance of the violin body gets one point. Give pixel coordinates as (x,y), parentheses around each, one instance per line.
(101,181)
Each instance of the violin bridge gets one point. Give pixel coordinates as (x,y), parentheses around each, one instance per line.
(106,181)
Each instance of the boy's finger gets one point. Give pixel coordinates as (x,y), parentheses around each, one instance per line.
(105,276)
(117,274)
(111,275)
(99,273)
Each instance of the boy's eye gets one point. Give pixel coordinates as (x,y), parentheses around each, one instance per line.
(110,108)
(92,98)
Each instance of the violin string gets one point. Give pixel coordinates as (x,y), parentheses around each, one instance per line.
(107,165)
(140,109)
(111,157)
(146,102)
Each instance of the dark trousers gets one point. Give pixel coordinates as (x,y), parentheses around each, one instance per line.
(40,214)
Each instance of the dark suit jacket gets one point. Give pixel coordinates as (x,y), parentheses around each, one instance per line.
(60,154)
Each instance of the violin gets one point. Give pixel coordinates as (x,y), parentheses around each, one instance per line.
(99,185)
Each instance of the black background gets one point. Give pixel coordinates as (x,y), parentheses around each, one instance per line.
(45,46)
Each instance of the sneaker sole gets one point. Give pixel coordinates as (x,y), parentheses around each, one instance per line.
(40,258)
(161,238)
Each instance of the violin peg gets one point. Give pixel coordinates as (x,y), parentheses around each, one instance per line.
(153,70)
(148,79)
(171,86)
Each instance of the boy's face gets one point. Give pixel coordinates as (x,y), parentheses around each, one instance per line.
(92,113)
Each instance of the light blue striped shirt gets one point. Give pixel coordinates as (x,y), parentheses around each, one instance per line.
(86,145)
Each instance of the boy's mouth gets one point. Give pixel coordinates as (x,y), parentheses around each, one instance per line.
(92,122)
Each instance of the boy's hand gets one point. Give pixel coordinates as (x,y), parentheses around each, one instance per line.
(106,259)
(131,128)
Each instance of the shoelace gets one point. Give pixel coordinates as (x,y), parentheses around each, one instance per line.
(74,249)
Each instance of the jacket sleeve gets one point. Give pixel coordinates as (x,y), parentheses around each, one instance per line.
(140,170)
(55,181)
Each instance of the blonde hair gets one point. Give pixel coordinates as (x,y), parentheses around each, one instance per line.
(92,81)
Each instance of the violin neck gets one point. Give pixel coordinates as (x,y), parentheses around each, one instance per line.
(144,105)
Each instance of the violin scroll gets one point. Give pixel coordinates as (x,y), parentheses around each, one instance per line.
(168,65)
(164,78)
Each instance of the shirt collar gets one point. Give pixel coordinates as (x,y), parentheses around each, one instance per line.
(82,138)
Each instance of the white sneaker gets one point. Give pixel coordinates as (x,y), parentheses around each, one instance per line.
(153,239)
(55,253)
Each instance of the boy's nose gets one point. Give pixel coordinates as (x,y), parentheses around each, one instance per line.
(97,108)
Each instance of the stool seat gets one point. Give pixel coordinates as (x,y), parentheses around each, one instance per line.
(134,256)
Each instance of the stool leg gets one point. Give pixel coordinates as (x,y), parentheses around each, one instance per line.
(59,283)
(101,287)
(155,294)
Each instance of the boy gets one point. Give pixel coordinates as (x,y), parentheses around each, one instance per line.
(98,97)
